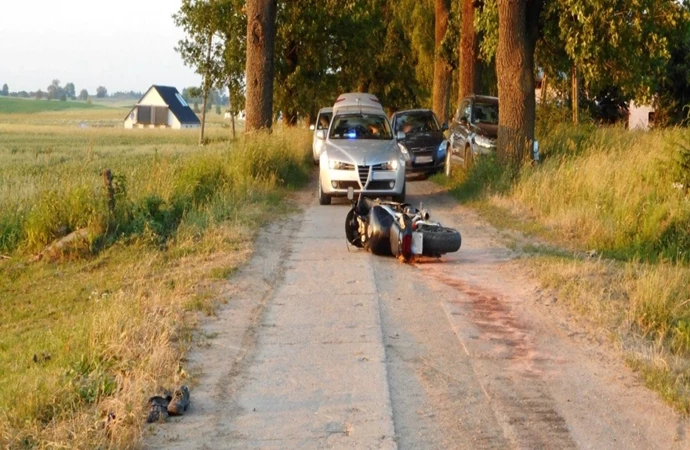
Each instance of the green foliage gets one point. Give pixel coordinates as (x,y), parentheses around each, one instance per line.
(226,23)
(10,105)
(5,90)
(101,92)
(83,95)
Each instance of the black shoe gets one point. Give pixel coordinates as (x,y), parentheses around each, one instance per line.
(180,401)
(159,409)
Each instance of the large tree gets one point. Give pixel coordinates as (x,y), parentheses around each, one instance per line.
(261,18)
(442,69)
(518,30)
(70,91)
(5,90)
(470,67)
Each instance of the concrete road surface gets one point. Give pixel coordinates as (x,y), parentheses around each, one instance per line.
(324,347)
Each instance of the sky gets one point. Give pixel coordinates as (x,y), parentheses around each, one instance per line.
(123,45)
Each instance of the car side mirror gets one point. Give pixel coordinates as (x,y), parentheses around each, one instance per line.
(400,135)
(321,134)
(311,127)
(444,127)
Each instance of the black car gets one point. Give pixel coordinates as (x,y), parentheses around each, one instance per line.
(421,140)
(474,129)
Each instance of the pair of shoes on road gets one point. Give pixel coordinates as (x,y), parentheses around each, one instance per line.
(163,406)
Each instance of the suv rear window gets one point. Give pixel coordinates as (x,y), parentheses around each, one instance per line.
(360,126)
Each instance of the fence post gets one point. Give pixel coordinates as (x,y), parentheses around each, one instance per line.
(108,181)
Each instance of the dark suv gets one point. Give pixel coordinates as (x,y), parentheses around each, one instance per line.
(474,130)
(421,140)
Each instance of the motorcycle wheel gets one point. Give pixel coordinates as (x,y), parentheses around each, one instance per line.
(440,240)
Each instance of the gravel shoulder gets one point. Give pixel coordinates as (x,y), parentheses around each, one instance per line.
(321,347)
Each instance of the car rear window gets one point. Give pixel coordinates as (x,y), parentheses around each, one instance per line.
(360,126)
(416,123)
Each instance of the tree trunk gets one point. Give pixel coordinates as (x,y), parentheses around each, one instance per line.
(575,97)
(232,111)
(207,77)
(442,70)
(544,89)
(261,20)
(470,73)
(291,60)
(518,22)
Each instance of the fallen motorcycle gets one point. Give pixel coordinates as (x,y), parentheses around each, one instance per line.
(397,229)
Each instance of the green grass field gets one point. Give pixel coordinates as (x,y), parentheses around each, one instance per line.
(31,106)
(93,329)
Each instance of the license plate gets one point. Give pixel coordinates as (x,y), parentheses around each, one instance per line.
(423,159)
(417,243)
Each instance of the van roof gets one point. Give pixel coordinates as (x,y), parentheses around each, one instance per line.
(356,101)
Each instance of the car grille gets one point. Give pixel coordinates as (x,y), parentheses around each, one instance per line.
(429,150)
(363,172)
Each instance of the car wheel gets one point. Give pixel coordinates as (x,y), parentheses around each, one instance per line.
(400,198)
(448,169)
(324,199)
(468,159)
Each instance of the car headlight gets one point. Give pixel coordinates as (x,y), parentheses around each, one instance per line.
(442,148)
(404,151)
(390,165)
(335,165)
(483,141)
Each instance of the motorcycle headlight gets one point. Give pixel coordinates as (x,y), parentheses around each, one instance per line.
(335,165)
(391,165)
(404,151)
(483,141)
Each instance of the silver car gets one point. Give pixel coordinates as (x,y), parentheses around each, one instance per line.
(360,152)
(323,120)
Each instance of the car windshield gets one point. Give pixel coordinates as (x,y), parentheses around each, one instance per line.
(416,123)
(324,121)
(485,113)
(360,126)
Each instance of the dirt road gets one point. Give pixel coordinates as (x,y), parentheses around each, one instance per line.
(319,347)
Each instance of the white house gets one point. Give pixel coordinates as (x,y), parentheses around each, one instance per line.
(640,117)
(162,107)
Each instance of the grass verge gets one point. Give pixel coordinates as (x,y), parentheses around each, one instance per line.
(622,198)
(86,337)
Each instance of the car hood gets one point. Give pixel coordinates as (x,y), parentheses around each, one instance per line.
(426,139)
(486,129)
(362,151)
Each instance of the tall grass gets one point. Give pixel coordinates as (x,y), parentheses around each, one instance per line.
(617,194)
(612,190)
(86,339)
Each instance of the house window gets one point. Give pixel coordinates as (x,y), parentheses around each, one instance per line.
(179,97)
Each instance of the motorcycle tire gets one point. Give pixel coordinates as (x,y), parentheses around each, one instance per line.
(438,241)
